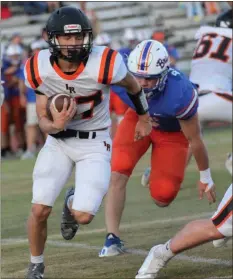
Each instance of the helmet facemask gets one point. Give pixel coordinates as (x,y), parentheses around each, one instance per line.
(74,53)
(159,85)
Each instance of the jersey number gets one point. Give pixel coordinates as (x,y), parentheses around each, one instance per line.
(205,45)
(93,100)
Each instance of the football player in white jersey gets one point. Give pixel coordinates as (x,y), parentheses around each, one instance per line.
(211,71)
(79,135)
(195,233)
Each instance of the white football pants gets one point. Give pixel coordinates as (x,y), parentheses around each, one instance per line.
(213,107)
(56,161)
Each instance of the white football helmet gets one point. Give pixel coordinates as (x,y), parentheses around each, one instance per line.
(150,60)
(129,38)
(14,50)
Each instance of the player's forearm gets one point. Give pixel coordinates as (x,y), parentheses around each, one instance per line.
(200,154)
(137,96)
(47,126)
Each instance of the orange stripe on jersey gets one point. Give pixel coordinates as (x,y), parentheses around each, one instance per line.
(33,71)
(111,67)
(102,65)
(224,220)
(107,66)
(36,69)
(224,212)
(29,74)
(224,207)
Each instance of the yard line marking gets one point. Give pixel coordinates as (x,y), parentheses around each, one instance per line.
(10,241)
(141,252)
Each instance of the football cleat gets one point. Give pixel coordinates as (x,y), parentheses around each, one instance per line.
(69,225)
(35,271)
(153,263)
(221,242)
(113,246)
(146,177)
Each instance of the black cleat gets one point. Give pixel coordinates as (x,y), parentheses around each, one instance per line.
(35,271)
(69,225)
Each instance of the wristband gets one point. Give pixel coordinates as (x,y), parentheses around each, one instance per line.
(140,102)
(205,178)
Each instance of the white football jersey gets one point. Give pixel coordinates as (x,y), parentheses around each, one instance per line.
(211,66)
(89,85)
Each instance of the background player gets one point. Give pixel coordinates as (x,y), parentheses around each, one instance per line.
(211,71)
(173,104)
(79,134)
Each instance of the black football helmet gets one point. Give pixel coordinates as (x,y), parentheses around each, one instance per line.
(69,20)
(225,19)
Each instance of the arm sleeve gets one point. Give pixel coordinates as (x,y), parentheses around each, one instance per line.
(28,82)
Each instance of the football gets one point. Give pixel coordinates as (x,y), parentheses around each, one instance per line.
(57,101)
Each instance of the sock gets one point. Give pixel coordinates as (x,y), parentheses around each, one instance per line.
(70,201)
(166,250)
(37,259)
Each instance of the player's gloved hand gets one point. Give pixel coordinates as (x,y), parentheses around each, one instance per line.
(143,127)
(60,119)
(207,186)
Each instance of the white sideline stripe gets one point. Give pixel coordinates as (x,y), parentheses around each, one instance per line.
(142,253)
(131,251)
(12,241)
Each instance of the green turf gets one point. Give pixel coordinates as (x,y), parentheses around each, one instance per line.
(73,262)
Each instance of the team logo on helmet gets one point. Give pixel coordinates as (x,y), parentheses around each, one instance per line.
(162,62)
(72,28)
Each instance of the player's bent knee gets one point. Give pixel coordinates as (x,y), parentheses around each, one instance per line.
(164,191)
(41,212)
(83,217)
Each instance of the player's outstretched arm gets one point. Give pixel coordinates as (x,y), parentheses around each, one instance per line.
(192,131)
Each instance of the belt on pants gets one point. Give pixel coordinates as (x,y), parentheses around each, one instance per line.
(74,134)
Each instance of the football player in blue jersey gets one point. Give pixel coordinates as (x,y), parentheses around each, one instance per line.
(173,103)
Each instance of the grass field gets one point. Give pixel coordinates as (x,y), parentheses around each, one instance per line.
(143,226)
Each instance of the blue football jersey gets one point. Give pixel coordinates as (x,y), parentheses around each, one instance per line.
(178,101)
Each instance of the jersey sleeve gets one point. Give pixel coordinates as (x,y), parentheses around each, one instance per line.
(112,67)
(188,104)
(31,72)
